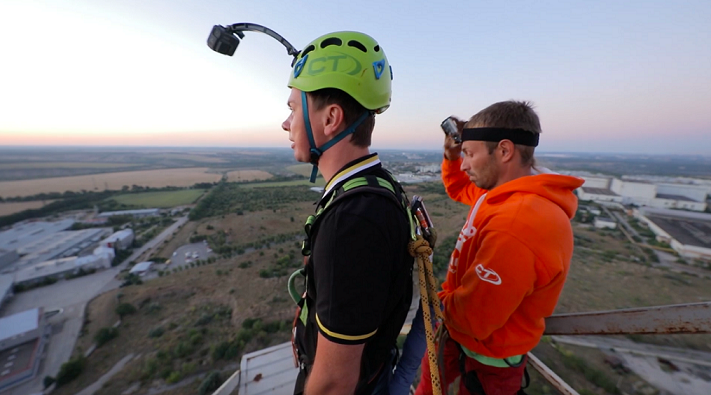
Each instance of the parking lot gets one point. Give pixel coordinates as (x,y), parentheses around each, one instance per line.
(189,253)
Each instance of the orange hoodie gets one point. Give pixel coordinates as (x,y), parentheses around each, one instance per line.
(510,261)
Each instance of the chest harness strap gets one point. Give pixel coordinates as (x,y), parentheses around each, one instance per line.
(419,247)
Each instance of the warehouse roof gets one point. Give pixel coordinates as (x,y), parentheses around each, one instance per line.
(19,323)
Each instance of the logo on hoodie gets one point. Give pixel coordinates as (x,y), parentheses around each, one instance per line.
(487,275)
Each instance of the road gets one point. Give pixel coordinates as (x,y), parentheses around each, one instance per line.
(689,375)
(73,296)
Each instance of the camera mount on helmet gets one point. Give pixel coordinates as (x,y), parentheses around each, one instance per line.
(225,39)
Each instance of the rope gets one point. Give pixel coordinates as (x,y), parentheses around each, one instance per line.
(421,250)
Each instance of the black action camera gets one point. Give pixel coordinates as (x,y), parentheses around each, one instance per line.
(450,128)
(222,40)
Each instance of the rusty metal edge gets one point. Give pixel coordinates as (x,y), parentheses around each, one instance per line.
(668,319)
(550,376)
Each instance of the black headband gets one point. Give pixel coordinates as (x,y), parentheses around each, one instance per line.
(517,136)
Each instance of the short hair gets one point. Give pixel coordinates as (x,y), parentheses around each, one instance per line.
(511,115)
(352,110)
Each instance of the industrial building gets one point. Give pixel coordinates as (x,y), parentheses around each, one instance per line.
(22,340)
(120,240)
(604,223)
(591,209)
(105,250)
(688,233)
(60,244)
(8,257)
(141,268)
(663,195)
(29,232)
(6,282)
(59,268)
(149,212)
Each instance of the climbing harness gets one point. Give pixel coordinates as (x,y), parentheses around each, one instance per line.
(423,237)
(369,183)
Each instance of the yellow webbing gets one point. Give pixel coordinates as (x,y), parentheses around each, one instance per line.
(420,249)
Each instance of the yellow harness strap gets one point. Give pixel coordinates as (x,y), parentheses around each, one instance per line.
(420,249)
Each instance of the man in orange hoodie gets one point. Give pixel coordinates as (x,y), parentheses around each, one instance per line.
(512,255)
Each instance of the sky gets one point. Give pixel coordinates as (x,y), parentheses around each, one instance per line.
(605,76)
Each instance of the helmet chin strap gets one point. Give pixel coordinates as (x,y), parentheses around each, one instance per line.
(315,153)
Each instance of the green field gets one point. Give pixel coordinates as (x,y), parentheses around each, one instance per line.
(302,169)
(319,183)
(160,199)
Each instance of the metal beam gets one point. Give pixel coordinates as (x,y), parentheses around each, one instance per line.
(681,318)
(550,376)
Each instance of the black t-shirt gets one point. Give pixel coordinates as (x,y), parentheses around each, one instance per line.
(360,287)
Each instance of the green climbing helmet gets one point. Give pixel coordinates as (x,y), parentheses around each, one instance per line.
(350,61)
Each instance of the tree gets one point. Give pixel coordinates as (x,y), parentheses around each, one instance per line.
(125,309)
(71,370)
(104,335)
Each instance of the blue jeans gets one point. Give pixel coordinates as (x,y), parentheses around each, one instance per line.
(412,352)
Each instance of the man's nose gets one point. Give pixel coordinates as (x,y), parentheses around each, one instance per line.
(286,124)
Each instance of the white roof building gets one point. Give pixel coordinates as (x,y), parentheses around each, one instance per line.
(8,257)
(6,282)
(604,223)
(60,244)
(134,213)
(58,267)
(688,233)
(19,323)
(101,250)
(141,268)
(22,340)
(28,232)
(121,239)
(643,193)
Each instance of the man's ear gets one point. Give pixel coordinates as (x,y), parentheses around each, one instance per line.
(333,120)
(506,149)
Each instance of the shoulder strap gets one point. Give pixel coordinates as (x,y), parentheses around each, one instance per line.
(372,184)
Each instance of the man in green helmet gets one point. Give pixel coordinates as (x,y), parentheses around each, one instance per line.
(358,272)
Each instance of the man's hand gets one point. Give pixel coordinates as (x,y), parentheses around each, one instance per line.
(452,150)
(336,368)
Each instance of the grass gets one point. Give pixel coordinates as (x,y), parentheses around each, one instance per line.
(198,314)
(160,199)
(247,175)
(99,182)
(303,169)
(319,183)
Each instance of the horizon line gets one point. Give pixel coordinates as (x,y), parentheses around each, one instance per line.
(39,147)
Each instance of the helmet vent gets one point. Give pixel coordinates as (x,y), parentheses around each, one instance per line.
(377,48)
(307,50)
(357,44)
(331,41)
